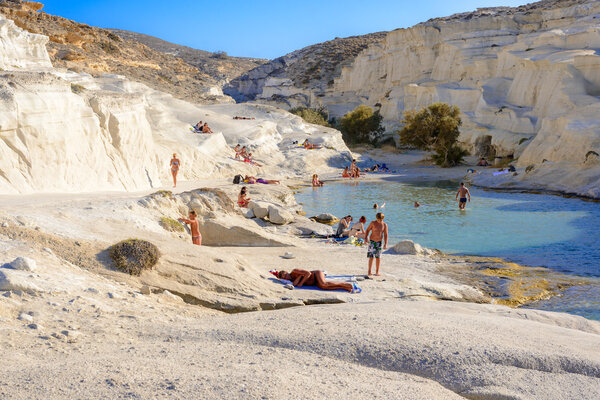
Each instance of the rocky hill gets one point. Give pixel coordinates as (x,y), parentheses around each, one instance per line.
(83,48)
(293,79)
(218,65)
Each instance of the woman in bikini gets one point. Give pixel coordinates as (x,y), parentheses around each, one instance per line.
(301,277)
(175,164)
(346,174)
(358,229)
(243,198)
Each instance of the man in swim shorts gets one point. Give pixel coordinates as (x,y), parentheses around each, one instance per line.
(378,231)
(194,227)
(463,192)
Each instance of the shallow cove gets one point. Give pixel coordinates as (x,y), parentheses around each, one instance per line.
(531,229)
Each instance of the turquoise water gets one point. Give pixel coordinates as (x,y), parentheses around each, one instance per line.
(530,229)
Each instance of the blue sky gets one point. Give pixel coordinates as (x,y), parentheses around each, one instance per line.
(258,28)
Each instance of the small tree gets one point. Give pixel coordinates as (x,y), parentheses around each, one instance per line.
(435,128)
(361,125)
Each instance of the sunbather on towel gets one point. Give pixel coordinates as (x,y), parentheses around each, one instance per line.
(301,277)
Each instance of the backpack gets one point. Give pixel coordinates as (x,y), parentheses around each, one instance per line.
(237,179)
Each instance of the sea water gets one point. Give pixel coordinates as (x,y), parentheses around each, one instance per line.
(536,230)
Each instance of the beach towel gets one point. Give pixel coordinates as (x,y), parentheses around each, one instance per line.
(500,173)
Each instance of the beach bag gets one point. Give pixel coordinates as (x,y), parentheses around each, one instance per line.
(237,179)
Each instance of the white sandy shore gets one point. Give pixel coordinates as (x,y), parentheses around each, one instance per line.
(69,338)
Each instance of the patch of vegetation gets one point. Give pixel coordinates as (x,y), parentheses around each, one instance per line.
(114,37)
(221,55)
(316,116)
(134,255)
(77,89)
(435,128)
(109,48)
(166,79)
(163,193)
(361,125)
(523,140)
(591,153)
(529,168)
(171,225)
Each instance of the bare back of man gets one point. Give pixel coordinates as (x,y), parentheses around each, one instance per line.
(376,233)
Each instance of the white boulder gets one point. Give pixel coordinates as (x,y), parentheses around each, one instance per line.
(260,208)
(279,216)
(410,247)
(22,264)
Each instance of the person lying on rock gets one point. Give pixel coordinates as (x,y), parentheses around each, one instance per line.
(243,198)
(194,227)
(252,180)
(301,277)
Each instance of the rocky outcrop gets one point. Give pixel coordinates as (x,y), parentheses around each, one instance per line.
(294,79)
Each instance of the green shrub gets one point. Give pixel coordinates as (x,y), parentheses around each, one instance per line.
(163,193)
(109,48)
(114,37)
(450,158)
(316,116)
(529,168)
(134,255)
(222,55)
(523,140)
(435,128)
(77,89)
(361,125)
(171,225)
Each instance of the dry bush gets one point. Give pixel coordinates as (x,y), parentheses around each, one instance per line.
(134,255)
(171,225)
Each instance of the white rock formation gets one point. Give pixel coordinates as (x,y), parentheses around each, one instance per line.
(280,216)
(412,248)
(66,132)
(21,264)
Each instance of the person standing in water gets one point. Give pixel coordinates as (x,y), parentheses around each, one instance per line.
(194,227)
(175,163)
(378,230)
(464,193)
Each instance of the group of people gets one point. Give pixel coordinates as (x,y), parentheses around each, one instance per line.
(236,117)
(352,171)
(202,128)
(376,235)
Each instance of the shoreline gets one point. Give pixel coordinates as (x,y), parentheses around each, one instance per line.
(532,285)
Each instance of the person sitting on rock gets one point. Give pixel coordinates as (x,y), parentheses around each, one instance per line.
(198,127)
(244,153)
(482,162)
(301,277)
(309,146)
(249,159)
(243,198)
(358,229)
(237,150)
(343,227)
(346,173)
(206,129)
(316,182)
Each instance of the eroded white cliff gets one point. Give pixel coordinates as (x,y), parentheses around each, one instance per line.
(62,131)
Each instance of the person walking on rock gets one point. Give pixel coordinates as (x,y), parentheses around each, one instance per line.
(463,192)
(378,231)
(194,227)
(175,164)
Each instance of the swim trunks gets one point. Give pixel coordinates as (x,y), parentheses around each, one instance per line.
(374,250)
(463,199)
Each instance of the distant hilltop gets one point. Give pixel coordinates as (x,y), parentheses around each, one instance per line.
(189,74)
